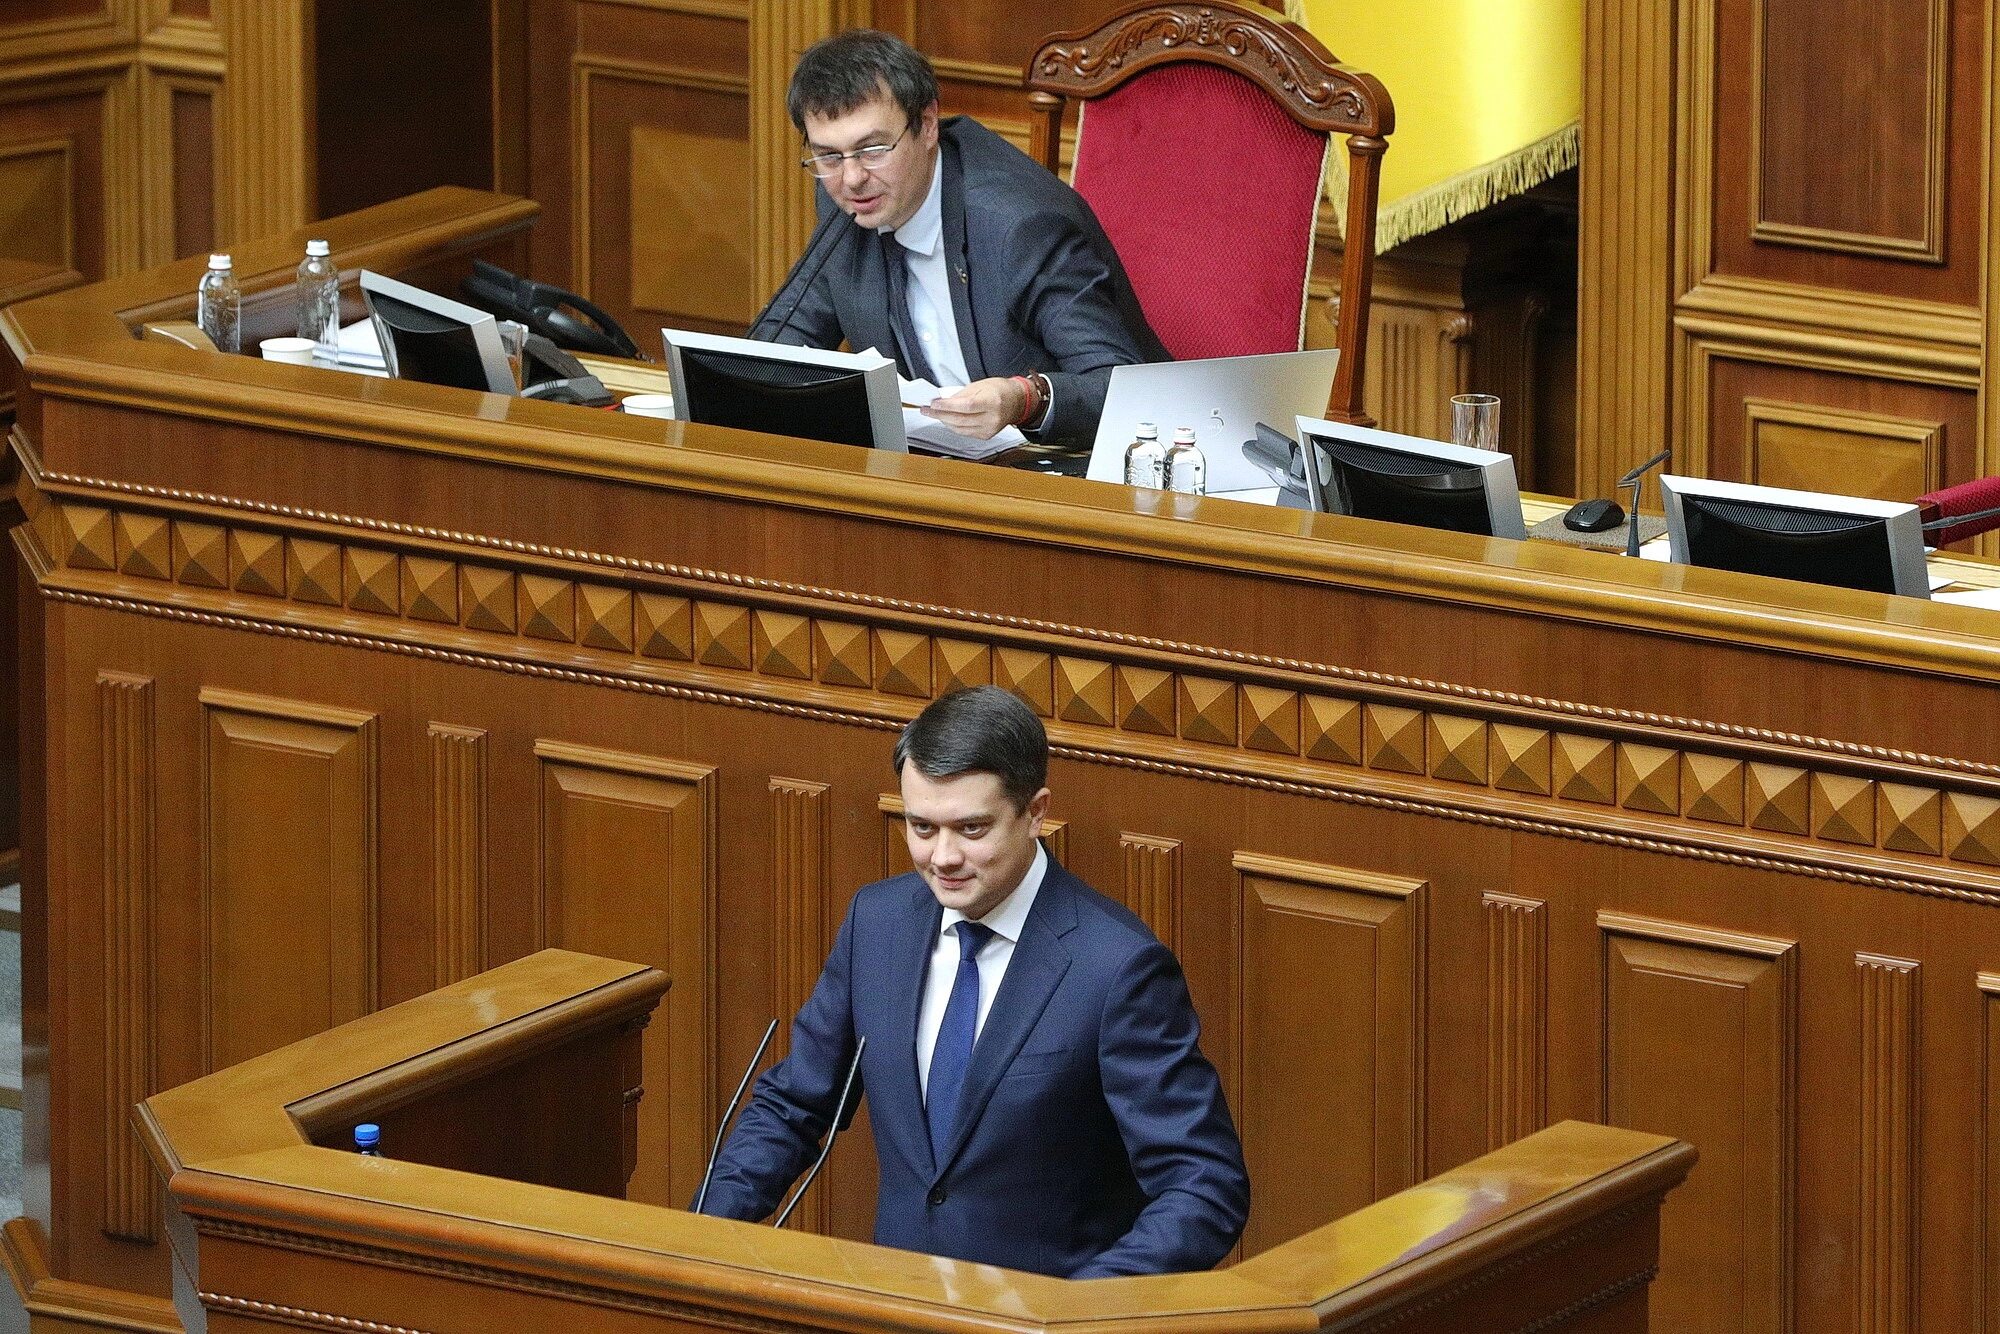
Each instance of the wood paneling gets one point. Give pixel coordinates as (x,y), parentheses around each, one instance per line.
(1153,884)
(1700,1033)
(783,194)
(802,894)
(1334,1121)
(458,849)
(1889,1126)
(1517,948)
(61,204)
(193,120)
(289,871)
(126,745)
(266,165)
(628,871)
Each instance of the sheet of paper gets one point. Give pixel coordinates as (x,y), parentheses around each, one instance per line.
(358,345)
(935,435)
(1971,597)
(917,393)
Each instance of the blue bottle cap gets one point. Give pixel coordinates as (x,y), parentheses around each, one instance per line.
(367,1135)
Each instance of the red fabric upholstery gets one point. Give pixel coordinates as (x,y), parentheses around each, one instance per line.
(1208,191)
(1965,498)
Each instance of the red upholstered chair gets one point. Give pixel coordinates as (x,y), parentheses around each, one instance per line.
(1971,498)
(1201,144)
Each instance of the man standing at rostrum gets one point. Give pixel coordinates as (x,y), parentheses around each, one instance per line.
(944,246)
(1033,1070)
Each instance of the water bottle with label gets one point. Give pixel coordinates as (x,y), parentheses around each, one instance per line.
(1186,466)
(1144,459)
(319,303)
(219,305)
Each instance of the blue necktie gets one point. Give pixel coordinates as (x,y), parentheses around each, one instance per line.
(952,1055)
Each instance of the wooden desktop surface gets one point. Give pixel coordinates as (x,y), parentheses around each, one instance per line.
(1456,837)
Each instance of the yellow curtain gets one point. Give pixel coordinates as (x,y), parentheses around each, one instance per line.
(1488,94)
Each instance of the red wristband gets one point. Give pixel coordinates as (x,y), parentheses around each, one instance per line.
(1031,394)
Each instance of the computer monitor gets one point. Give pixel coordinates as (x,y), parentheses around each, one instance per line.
(847,398)
(1844,541)
(1408,479)
(435,339)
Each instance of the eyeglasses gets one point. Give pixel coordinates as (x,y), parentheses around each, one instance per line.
(872,158)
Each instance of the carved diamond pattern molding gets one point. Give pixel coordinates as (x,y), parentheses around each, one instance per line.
(1394,738)
(722,635)
(1776,797)
(1444,746)
(1028,674)
(1458,749)
(664,626)
(1330,729)
(257,563)
(312,571)
(606,618)
(903,663)
(487,595)
(961,664)
(1843,808)
(1145,700)
(430,589)
(201,555)
(373,581)
(145,546)
(1971,828)
(842,652)
(1521,759)
(1585,768)
(1649,779)
(1911,818)
(1208,712)
(783,644)
(1712,788)
(1084,691)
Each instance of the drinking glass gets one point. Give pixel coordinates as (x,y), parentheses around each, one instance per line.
(1475,421)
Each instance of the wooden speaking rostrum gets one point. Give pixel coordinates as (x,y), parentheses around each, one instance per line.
(507,1106)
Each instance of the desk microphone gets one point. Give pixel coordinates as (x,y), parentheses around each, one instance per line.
(831,227)
(729,1113)
(843,1116)
(1954,520)
(1636,479)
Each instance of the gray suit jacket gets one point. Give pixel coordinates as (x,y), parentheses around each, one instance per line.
(1039,287)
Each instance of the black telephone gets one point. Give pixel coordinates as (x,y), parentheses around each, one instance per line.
(564,318)
(554,376)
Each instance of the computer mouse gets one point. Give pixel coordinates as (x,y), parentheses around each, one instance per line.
(1593,516)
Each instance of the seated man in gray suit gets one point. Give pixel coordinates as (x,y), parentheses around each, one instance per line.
(945,246)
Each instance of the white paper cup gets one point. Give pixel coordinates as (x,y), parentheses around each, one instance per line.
(298,351)
(648,405)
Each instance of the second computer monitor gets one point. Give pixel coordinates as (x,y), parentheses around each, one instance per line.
(435,339)
(1845,541)
(846,398)
(1407,479)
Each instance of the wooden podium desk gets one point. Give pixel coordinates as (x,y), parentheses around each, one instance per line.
(522,1078)
(340,689)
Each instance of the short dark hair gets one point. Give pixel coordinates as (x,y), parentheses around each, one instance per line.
(981,730)
(838,73)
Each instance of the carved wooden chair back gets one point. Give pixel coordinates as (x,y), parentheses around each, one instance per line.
(1209,125)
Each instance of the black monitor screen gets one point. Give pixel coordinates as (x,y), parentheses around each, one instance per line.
(777,397)
(1388,484)
(1843,550)
(430,347)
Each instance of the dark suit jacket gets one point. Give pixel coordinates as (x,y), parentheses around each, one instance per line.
(1039,287)
(1092,1137)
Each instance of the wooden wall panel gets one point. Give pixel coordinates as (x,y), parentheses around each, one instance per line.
(458,848)
(628,866)
(1700,1034)
(802,893)
(127,750)
(1517,947)
(1333,1121)
(290,878)
(56,185)
(192,112)
(1891,1039)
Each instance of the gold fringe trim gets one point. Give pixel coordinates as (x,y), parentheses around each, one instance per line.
(1465,194)
(1295,12)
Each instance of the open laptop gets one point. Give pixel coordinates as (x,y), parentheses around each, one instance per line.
(1223,399)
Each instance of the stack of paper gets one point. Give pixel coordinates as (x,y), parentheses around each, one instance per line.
(935,435)
(359,347)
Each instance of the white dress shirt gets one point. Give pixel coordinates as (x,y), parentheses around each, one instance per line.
(922,239)
(1006,921)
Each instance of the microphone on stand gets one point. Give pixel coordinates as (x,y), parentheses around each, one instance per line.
(1636,479)
(831,227)
(843,1116)
(1954,520)
(729,1113)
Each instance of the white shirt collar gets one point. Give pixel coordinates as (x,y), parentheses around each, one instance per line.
(924,232)
(1012,913)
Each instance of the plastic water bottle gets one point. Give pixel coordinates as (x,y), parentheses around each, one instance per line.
(1186,465)
(319,302)
(1144,457)
(368,1140)
(219,303)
